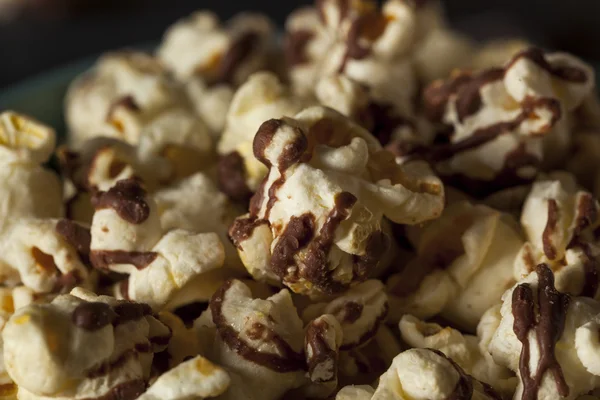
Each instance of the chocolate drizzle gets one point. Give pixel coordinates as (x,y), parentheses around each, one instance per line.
(548,326)
(550,229)
(321,353)
(242,229)
(369,334)
(368,26)
(315,268)
(127,198)
(127,102)
(288,361)
(536,55)
(93,316)
(239,51)
(231,174)
(103,259)
(297,234)
(77,236)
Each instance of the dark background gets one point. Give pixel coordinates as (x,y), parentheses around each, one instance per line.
(49,33)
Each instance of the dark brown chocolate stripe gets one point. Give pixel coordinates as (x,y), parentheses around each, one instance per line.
(125,391)
(552,310)
(468,98)
(315,268)
(587,213)
(102,259)
(289,361)
(243,228)
(437,95)
(257,200)
(372,25)
(76,235)
(321,353)
(295,47)
(272,195)
(537,56)
(550,229)
(487,134)
(297,235)
(239,51)
(231,174)
(125,101)
(263,138)
(93,316)
(370,334)
(127,198)
(349,312)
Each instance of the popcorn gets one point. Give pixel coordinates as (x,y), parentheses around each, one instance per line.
(127,237)
(507,120)
(196,378)
(85,346)
(259,342)
(196,204)
(27,189)
(129,96)
(463,349)
(360,392)
(211,103)
(584,160)
(320,151)
(542,335)
(424,374)
(464,263)
(360,311)
(200,46)
(322,344)
(558,220)
(261,98)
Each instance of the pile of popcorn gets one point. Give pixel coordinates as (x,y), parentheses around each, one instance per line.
(373,208)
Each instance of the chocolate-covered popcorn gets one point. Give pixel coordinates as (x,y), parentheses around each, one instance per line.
(200,45)
(507,122)
(559,220)
(130,96)
(127,237)
(316,222)
(85,346)
(543,335)
(259,99)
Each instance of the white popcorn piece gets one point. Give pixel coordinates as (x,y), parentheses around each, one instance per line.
(258,342)
(259,99)
(127,237)
(543,335)
(196,204)
(464,263)
(360,311)
(85,346)
(559,219)
(200,46)
(329,185)
(36,254)
(27,189)
(129,96)
(507,120)
(462,349)
(427,374)
(196,378)
(211,104)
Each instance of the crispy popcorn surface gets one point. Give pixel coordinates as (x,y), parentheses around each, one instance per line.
(371,207)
